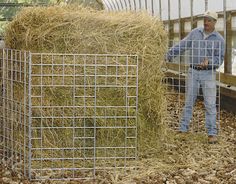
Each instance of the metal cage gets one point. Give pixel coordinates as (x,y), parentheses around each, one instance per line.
(68,116)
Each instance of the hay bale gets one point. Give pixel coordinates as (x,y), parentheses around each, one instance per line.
(80,30)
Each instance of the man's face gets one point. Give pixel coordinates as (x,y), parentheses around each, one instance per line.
(209,24)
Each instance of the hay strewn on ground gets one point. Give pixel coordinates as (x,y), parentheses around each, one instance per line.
(184,159)
(79,30)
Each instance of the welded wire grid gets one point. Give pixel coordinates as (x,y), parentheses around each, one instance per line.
(176,83)
(1,90)
(68,116)
(15,109)
(84,115)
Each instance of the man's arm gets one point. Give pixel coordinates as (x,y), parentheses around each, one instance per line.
(179,48)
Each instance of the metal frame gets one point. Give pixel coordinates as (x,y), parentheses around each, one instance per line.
(15,108)
(77,113)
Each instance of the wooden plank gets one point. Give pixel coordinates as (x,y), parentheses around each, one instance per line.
(228,40)
(228,79)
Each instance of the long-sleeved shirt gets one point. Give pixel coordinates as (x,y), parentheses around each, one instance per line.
(211,47)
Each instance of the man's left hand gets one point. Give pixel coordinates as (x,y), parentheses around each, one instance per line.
(204,63)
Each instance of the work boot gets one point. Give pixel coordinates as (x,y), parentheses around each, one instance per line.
(212,139)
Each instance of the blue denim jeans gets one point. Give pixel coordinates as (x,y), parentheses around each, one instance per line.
(207,80)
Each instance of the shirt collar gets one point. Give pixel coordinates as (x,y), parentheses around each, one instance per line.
(202,31)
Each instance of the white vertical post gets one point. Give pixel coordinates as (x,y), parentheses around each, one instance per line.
(206,5)
(160,9)
(191,11)
(179,19)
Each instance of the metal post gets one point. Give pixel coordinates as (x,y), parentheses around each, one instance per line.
(113,5)
(95,119)
(30,111)
(126,7)
(227,60)
(4,56)
(109,6)
(129,5)
(160,9)
(135,6)
(225,16)
(117,5)
(170,25)
(206,5)
(122,7)
(169,15)
(180,30)
(152,8)
(191,11)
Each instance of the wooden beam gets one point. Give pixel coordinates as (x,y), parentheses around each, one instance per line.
(228,79)
(228,40)
(171,30)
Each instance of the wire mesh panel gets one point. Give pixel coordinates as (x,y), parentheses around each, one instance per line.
(68,116)
(193,92)
(15,109)
(1,90)
(83,113)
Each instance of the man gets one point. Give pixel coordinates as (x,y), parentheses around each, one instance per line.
(206,48)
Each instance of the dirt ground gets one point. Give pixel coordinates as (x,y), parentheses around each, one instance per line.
(185,159)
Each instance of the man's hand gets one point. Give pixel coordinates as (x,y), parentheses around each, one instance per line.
(167,58)
(204,63)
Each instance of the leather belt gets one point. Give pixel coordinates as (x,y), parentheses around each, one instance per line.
(200,68)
